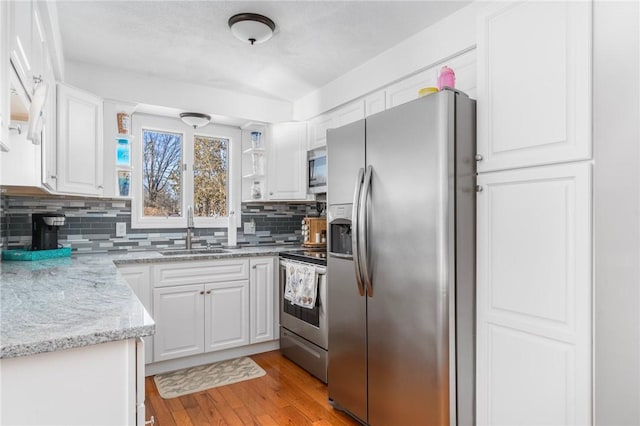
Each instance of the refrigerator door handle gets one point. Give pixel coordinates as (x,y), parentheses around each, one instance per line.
(355,244)
(362,231)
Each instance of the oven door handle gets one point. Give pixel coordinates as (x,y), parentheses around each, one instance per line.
(320,270)
(355,243)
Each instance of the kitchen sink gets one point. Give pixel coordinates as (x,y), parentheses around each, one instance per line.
(183,252)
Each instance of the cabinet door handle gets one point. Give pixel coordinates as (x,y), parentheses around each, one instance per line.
(255,266)
(478,157)
(202,292)
(208,291)
(53,177)
(100,187)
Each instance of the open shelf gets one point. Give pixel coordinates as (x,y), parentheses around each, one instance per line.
(254,151)
(253,176)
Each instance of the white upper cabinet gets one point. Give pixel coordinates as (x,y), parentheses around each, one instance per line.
(4,77)
(80,139)
(534,296)
(375,103)
(534,84)
(286,169)
(318,127)
(463,65)
(20,44)
(346,114)
(349,113)
(27,48)
(49,140)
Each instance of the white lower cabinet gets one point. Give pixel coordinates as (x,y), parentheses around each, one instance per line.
(179,315)
(534,296)
(207,306)
(99,384)
(226,315)
(139,279)
(263,301)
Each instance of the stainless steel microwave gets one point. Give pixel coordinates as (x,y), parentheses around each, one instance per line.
(317,171)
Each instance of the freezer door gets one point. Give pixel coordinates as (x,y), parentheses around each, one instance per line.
(345,156)
(410,229)
(347,375)
(347,378)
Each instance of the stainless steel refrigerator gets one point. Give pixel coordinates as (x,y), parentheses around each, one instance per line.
(401,264)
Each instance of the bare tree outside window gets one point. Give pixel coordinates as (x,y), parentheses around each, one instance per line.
(162,178)
(210,176)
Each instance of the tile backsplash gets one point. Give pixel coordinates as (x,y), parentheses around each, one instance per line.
(91,225)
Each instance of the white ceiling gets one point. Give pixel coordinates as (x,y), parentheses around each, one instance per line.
(314,42)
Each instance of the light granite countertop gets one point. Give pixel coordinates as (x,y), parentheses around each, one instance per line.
(65,303)
(245,251)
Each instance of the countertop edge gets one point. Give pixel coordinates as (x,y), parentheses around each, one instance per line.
(155,257)
(26,349)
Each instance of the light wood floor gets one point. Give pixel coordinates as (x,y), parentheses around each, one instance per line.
(286,395)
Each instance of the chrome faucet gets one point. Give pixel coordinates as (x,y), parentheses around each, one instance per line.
(189,227)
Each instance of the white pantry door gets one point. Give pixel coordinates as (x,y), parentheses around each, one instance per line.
(534,296)
(534,84)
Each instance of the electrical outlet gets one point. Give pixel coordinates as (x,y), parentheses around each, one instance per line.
(121,229)
(249,228)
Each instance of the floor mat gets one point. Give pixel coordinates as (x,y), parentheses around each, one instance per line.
(196,379)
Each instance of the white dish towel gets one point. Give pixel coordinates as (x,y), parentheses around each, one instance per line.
(301,287)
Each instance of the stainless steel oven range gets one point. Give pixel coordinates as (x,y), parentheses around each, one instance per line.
(303,332)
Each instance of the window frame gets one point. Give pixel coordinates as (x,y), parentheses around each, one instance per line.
(157,123)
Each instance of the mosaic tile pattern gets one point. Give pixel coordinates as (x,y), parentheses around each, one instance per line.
(91,225)
(3,223)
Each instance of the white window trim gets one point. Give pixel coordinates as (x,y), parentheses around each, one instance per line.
(173,125)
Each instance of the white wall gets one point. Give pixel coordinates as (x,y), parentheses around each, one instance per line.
(616,138)
(429,47)
(435,44)
(111,83)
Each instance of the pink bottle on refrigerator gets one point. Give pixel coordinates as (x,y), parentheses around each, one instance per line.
(446,78)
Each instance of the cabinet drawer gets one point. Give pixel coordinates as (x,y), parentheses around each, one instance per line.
(200,272)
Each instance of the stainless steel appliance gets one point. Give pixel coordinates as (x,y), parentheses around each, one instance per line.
(45,226)
(304,332)
(317,171)
(401,263)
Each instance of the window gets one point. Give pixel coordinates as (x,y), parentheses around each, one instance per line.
(177,167)
(162,174)
(210,176)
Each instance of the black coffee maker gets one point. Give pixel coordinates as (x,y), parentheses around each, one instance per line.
(45,230)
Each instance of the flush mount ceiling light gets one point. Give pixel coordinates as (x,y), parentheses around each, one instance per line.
(251,27)
(195,119)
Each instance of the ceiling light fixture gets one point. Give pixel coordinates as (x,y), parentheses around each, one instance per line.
(195,119)
(251,27)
